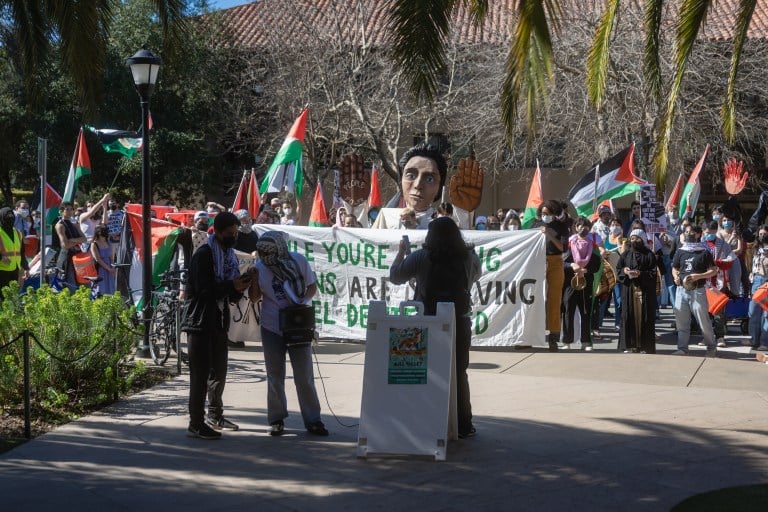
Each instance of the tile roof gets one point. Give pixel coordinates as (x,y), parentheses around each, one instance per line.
(259,22)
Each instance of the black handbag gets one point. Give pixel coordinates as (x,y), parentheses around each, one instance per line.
(298,324)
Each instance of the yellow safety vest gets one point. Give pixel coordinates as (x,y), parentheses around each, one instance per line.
(10,250)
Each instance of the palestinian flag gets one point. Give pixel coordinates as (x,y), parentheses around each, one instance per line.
(165,237)
(285,171)
(535,198)
(674,197)
(118,141)
(318,217)
(693,188)
(254,202)
(52,202)
(80,166)
(374,198)
(610,179)
(241,199)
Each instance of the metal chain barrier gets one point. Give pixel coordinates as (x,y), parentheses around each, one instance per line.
(25,335)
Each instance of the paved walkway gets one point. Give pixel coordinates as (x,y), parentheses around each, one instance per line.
(566,431)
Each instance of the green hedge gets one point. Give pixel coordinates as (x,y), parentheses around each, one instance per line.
(78,358)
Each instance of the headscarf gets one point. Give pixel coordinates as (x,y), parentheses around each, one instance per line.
(273,253)
(640,234)
(6,211)
(225,264)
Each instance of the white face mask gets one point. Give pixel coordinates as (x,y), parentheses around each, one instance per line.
(24,212)
(546,219)
(287,211)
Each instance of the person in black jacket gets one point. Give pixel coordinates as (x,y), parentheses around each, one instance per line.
(214,280)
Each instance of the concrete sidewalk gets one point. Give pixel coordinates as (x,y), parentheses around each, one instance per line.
(566,431)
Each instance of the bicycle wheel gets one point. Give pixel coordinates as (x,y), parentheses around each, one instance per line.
(161,334)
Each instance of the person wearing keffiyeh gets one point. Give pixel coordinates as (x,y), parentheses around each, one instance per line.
(214,281)
(283,279)
(691,267)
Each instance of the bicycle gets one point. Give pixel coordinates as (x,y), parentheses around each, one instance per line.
(165,332)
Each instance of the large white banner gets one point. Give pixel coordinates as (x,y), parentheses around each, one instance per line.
(352,268)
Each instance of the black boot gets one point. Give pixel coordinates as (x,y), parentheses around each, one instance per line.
(552,340)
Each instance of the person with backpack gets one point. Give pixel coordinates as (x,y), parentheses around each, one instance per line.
(67,240)
(444,270)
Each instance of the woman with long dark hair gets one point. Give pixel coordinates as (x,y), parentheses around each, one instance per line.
(445,269)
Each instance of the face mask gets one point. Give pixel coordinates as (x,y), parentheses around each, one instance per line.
(691,239)
(764,239)
(112,207)
(728,224)
(245,228)
(583,231)
(709,237)
(638,244)
(616,230)
(480,227)
(673,217)
(546,219)
(202,226)
(228,241)
(716,217)
(24,212)
(287,211)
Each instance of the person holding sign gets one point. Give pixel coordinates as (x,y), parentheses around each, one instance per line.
(444,271)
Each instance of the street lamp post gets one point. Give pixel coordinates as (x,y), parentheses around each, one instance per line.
(145,67)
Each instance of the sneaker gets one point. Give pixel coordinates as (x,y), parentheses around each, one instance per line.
(202,432)
(317,429)
(221,423)
(277,428)
(721,342)
(565,346)
(746,343)
(712,352)
(470,433)
(762,348)
(596,334)
(701,344)
(588,348)
(679,353)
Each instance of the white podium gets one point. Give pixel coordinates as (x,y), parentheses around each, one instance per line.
(409,383)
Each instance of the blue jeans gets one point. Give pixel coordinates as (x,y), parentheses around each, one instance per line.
(687,303)
(758,318)
(617,305)
(668,280)
(275,350)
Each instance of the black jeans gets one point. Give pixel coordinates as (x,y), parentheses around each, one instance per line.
(208,356)
(463,343)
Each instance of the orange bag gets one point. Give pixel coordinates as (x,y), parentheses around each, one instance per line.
(84,267)
(761,296)
(716,300)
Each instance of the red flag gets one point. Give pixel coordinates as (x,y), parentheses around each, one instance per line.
(318,217)
(674,197)
(150,124)
(52,198)
(253,196)
(241,199)
(374,198)
(535,198)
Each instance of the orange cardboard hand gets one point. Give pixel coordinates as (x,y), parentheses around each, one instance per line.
(466,186)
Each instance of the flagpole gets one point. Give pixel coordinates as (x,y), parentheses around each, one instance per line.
(597,182)
(42,167)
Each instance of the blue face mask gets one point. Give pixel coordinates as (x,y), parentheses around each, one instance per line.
(480,227)
(728,224)
(716,217)
(710,237)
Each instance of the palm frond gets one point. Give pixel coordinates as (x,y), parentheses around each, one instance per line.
(174,23)
(529,66)
(478,10)
(32,33)
(419,30)
(651,65)
(692,16)
(599,54)
(82,28)
(746,11)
